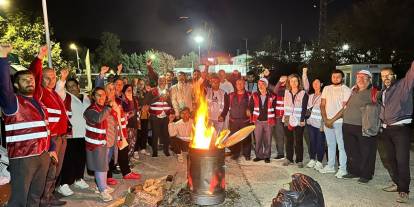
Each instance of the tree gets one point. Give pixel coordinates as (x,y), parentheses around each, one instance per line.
(26,34)
(162,62)
(188,61)
(109,51)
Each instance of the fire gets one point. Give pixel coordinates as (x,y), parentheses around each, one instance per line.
(203,133)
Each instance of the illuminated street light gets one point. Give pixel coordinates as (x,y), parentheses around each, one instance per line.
(345,47)
(4,3)
(199,39)
(152,57)
(74,47)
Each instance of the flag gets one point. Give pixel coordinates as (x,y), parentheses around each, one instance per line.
(88,71)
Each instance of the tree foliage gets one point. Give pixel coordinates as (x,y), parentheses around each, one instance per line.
(109,51)
(27,34)
(188,61)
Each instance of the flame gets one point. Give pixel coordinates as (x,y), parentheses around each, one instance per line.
(202,133)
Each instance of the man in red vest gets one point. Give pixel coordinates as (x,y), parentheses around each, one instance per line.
(45,80)
(27,134)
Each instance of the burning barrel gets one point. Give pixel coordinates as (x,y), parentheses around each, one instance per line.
(206,176)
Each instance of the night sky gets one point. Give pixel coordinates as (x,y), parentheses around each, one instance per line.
(144,24)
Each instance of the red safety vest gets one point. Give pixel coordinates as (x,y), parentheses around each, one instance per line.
(68,106)
(58,120)
(270,110)
(27,132)
(124,119)
(95,133)
(159,106)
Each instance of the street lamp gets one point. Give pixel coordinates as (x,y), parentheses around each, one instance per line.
(74,47)
(4,3)
(199,39)
(345,47)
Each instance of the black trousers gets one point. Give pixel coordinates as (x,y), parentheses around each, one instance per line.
(28,178)
(294,140)
(75,161)
(142,136)
(178,145)
(395,140)
(160,132)
(360,151)
(123,163)
(245,146)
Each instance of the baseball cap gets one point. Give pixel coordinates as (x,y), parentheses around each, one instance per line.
(366,72)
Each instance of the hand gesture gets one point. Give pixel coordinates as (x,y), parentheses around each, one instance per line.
(64,73)
(305,70)
(104,69)
(329,123)
(282,79)
(149,62)
(119,69)
(42,52)
(5,49)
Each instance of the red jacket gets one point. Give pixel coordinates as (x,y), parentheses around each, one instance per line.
(27,131)
(68,106)
(95,132)
(58,120)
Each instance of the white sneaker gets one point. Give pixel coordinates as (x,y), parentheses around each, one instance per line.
(105,196)
(327,169)
(136,155)
(318,166)
(311,164)
(65,190)
(81,184)
(107,190)
(144,152)
(340,174)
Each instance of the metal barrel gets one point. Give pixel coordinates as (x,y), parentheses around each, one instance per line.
(206,176)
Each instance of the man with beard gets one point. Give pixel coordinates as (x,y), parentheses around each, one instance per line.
(58,122)
(26,133)
(396,113)
(181,95)
(218,102)
(333,99)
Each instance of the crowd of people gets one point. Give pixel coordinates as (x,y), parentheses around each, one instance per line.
(57,134)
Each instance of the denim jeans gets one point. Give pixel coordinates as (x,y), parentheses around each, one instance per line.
(334,136)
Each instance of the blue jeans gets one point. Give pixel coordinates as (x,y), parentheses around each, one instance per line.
(317,143)
(334,136)
(100,177)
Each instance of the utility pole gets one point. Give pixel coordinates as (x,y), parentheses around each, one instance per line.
(247,54)
(281,40)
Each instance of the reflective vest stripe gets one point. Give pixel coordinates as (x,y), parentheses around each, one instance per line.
(24,137)
(94,141)
(95,130)
(279,102)
(53,111)
(24,125)
(53,119)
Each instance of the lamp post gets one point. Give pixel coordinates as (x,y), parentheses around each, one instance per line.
(74,47)
(199,39)
(46,22)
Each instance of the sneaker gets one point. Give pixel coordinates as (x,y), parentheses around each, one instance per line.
(136,155)
(391,188)
(132,176)
(257,159)
(349,176)
(340,174)
(299,164)
(180,158)
(311,164)
(106,197)
(327,169)
(144,152)
(318,166)
(402,197)
(81,184)
(108,190)
(111,181)
(65,190)
(279,157)
(363,181)
(267,160)
(286,162)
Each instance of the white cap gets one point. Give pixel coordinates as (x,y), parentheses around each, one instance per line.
(365,72)
(264,80)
